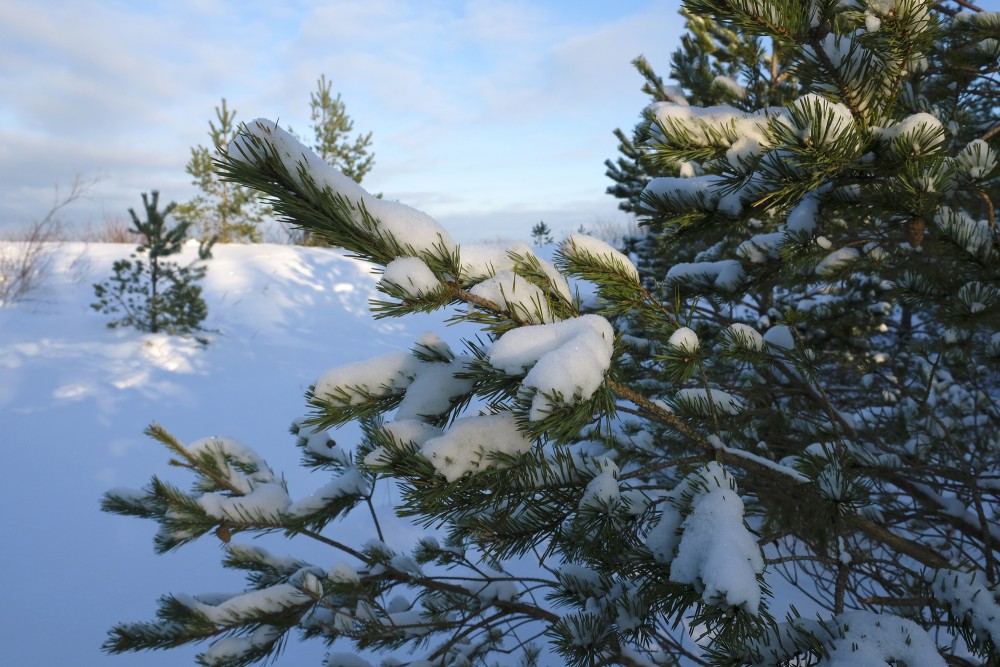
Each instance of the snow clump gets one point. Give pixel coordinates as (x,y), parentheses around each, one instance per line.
(515,294)
(824,123)
(780,336)
(745,337)
(879,640)
(465,448)
(684,339)
(709,546)
(380,376)
(411,275)
(567,358)
(969,598)
(835,261)
(726,274)
(977,159)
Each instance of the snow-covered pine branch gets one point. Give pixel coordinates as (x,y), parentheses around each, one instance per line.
(770,439)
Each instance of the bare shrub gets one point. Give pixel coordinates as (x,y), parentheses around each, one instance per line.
(112,230)
(26,255)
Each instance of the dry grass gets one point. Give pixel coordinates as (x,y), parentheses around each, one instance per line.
(112,230)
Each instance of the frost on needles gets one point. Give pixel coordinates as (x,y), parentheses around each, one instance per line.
(770,438)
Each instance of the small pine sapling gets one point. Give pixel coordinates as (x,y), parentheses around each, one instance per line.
(155,295)
(221,209)
(541,234)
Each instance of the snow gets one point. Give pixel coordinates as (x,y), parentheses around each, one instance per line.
(76,396)
(265,502)
(726,274)
(465,448)
(697,191)
(761,248)
(352,483)
(729,85)
(380,376)
(411,275)
(977,159)
(222,450)
(482,261)
(743,150)
(684,339)
(836,261)
(229,648)
(582,246)
(968,596)
(826,122)
(514,294)
(341,659)
(715,552)
(431,392)
(802,219)
(413,230)
(344,574)
(881,640)
(568,358)
(907,130)
(272,599)
(780,336)
(745,337)
(698,397)
(603,489)
(704,123)
(975,236)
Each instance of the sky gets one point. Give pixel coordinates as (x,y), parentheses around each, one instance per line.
(489,115)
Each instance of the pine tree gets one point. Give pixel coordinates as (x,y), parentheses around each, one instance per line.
(674,497)
(541,234)
(331,129)
(155,295)
(222,210)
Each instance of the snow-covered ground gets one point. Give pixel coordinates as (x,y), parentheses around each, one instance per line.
(75,397)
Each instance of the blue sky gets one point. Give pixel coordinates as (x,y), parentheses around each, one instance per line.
(490,116)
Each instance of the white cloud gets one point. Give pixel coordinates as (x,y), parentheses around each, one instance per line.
(494,104)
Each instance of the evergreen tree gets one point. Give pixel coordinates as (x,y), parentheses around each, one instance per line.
(331,126)
(331,129)
(541,234)
(155,295)
(226,211)
(672,496)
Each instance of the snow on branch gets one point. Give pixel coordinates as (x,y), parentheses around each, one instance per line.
(568,359)
(363,218)
(701,534)
(970,599)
